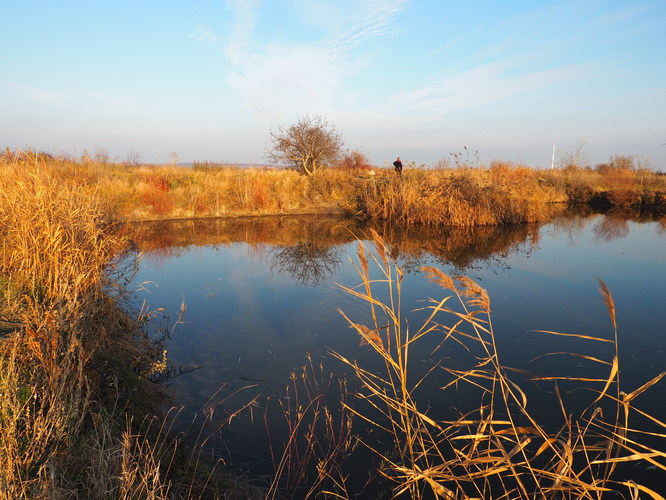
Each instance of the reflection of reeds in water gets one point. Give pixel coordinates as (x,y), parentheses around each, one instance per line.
(498,449)
(459,246)
(316,236)
(612,227)
(278,230)
(613,224)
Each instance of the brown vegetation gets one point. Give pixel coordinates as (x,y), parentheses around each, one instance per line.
(618,183)
(501,446)
(502,193)
(77,408)
(458,197)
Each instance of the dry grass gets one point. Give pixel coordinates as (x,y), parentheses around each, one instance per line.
(501,446)
(458,197)
(319,439)
(500,193)
(618,183)
(145,193)
(74,367)
(59,316)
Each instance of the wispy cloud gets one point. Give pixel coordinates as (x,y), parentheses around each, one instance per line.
(282,79)
(40,96)
(482,85)
(95,101)
(239,42)
(204,36)
(279,79)
(373,22)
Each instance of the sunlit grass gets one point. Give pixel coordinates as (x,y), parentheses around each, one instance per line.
(78,410)
(74,366)
(459,197)
(500,193)
(501,446)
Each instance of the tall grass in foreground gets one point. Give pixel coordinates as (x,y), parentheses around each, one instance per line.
(58,315)
(76,404)
(319,439)
(502,447)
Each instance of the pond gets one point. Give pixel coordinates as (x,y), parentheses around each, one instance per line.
(261,296)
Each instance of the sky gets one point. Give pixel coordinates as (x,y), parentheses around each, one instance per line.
(420,79)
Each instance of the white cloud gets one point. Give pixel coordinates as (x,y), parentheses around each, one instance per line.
(280,80)
(369,20)
(246,15)
(203,36)
(481,85)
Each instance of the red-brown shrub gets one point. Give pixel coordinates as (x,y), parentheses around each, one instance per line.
(355,161)
(261,193)
(159,182)
(159,199)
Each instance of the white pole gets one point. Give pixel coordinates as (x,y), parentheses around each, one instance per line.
(552,162)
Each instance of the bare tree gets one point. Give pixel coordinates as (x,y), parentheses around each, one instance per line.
(574,159)
(174,158)
(132,158)
(309,144)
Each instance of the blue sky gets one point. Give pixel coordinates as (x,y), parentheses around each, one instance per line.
(417,78)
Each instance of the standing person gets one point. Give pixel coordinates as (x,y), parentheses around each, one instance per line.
(398,165)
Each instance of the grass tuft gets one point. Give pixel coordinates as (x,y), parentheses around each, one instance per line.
(502,444)
(75,367)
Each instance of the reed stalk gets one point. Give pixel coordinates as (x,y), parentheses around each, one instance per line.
(75,367)
(501,447)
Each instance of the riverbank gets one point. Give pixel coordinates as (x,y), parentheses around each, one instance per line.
(500,193)
(79,406)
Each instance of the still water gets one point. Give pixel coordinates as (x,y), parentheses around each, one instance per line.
(263,293)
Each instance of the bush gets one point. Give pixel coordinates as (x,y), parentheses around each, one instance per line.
(355,161)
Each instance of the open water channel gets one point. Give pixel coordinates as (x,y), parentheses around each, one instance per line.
(262,294)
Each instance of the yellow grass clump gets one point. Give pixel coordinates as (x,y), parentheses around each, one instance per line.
(502,447)
(75,368)
(459,197)
(500,193)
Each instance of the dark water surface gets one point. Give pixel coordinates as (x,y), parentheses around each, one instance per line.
(261,294)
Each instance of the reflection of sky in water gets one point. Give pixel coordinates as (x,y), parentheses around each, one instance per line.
(247,321)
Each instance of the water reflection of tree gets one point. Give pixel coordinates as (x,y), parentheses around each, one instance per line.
(571,224)
(305,244)
(307,262)
(612,226)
